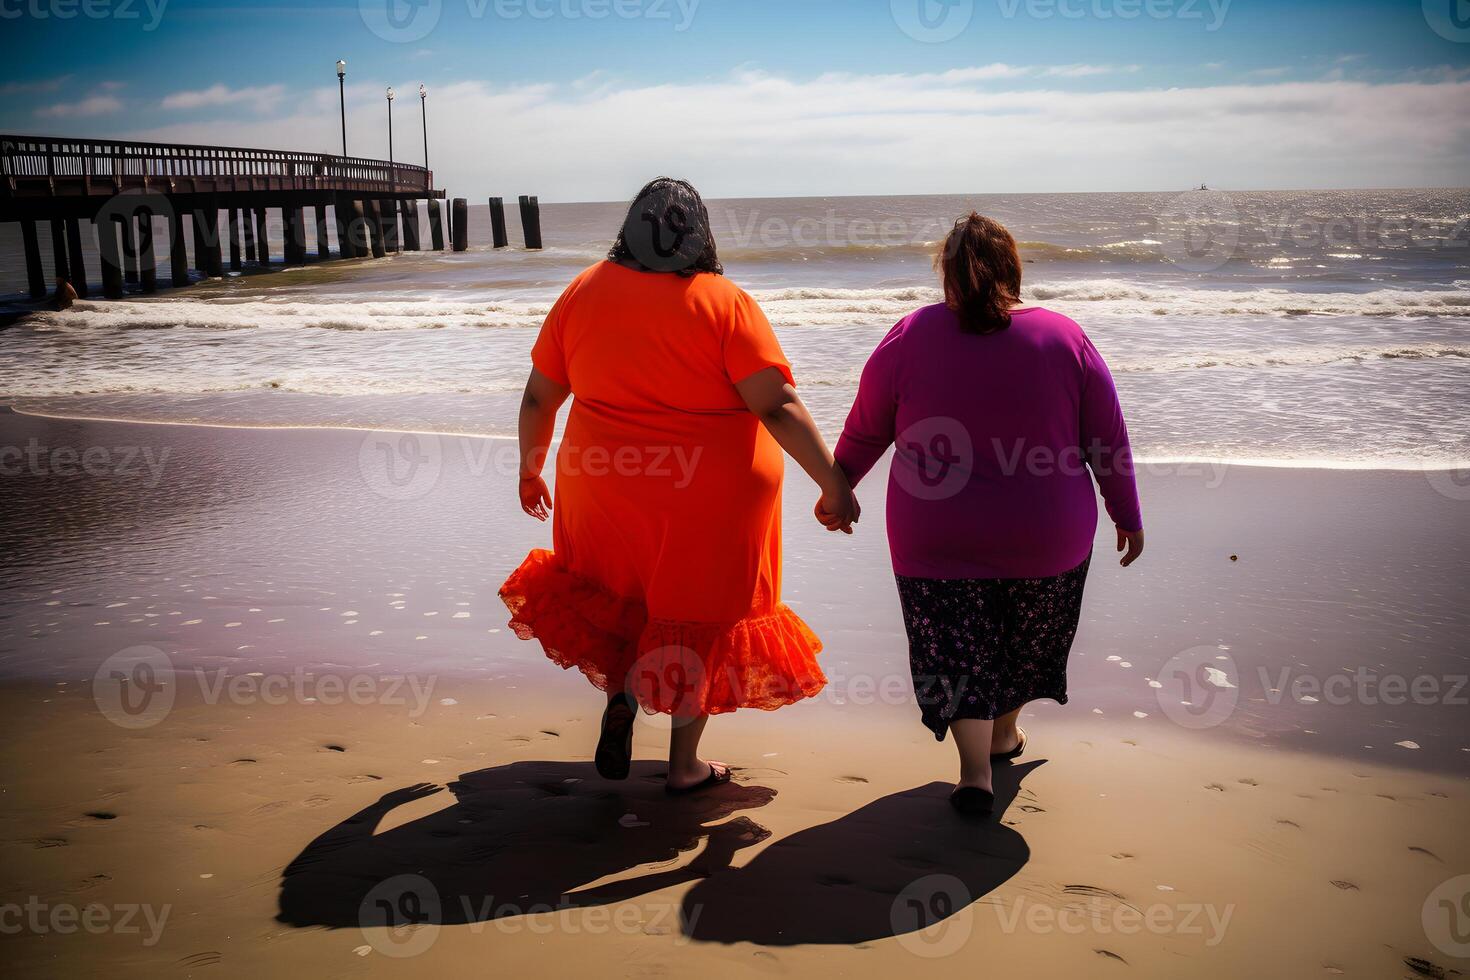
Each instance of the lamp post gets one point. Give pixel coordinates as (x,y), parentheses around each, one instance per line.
(342,101)
(424,115)
(392,175)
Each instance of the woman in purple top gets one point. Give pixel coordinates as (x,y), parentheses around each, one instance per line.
(997,413)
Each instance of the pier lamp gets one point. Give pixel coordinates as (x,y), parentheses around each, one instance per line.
(424,115)
(392,176)
(342,101)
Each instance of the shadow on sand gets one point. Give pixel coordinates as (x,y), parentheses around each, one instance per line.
(901,864)
(520,838)
(532,836)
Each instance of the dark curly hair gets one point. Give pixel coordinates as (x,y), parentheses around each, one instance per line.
(982,273)
(667,230)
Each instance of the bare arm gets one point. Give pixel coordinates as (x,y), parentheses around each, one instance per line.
(541,401)
(774,401)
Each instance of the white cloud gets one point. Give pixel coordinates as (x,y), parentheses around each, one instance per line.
(969,130)
(95,105)
(261,98)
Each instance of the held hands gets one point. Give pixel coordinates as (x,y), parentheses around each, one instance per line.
(1133,541)
(837,509)
(535,497)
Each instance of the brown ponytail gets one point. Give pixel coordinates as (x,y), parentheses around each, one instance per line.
(982,273)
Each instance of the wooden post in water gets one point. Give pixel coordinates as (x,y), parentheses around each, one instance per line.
(147,262)
(497,222)
(293,224)
(388,215)
(178,258)
(111,255)
(531,220)
(74,257)
(410,226)
(340,219)
(213,264)
(262,239)
(460,224)
(35,275)
(247,217)
(58,249)
(323,242)
(358,237)
(234,220)
(129,249)
(375,226)
(436,227)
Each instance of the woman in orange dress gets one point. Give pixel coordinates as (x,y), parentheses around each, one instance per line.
(664,585)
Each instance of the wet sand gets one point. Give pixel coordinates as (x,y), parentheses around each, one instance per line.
(329,636)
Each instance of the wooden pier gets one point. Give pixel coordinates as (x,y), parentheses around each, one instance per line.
(120,187)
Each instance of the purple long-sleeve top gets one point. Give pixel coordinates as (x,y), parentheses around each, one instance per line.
(995,436)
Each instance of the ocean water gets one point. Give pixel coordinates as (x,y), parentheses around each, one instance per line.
(1324,327)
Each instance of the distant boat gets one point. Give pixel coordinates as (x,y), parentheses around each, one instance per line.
(1201,187)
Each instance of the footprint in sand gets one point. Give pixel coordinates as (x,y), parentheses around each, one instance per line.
(1108,953)
(1427,853)
(1290,823)
(242,762)
(1247,782)
(362,777)
(312,802)
(41,842)
(1093,891)
(333,748)
(265,808)
(1122,856)
(547,731)
(1216,787)
(208,958)
(1425,968)
(851,779)
(88,883)
(1346,886)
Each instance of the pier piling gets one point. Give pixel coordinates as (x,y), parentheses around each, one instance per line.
(234,220)
(178,261)
(213,265)
(459,224)
(58,250)
(497,222)
(129,249)
(436,227)
(110,252)
(531,220)
(388,215)
(196,227)
(247,221)
(35,276)
(323,242)
(374,213)
(262,239)
(410,226)
(74,257)
(147,262)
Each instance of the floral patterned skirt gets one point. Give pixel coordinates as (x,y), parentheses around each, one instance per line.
(982,647)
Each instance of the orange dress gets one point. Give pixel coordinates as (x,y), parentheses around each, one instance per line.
(665,580)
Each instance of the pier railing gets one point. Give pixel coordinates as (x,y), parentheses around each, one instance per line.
(45,167)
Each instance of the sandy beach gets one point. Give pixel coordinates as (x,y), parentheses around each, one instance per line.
(231,656)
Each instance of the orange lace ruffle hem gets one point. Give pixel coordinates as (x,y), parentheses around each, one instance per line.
(669,666)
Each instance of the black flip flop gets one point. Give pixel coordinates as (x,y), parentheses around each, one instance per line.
(614,756)
(973,801)
(716,777)
(1014,753)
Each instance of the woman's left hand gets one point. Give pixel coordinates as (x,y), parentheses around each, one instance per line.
(535,497)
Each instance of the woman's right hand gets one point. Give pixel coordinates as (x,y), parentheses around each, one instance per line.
(535,497)
(1133,541)
(837,509)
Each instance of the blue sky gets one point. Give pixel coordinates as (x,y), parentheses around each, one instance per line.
(503,73)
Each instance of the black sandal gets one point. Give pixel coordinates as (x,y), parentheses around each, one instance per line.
(1014,753)
(973,801)
(716,777)
(614,756)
